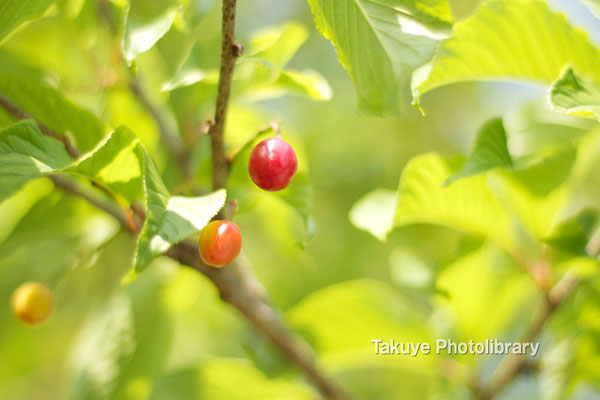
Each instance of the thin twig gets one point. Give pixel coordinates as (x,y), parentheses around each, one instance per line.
(73,188)
(234,284)
(512,365)
(264,318)
(230,51)
(19,113)
(168,134)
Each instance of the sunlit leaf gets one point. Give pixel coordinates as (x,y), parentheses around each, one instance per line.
(141,35)
(381,43)
(121,165)
(467,205)
(409,269)
(170,219)
(486,279)
(17,206)
(575,95)
(105,341)
(368,309)
(485,47)
(277,45)
(535,130)
(306,83)
(489,151)
(374,212)
(123,344)
(213,379)
(594,6)
(114,165)
(14,12)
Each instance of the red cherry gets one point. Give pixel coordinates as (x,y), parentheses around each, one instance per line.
(220,243)
(272,164)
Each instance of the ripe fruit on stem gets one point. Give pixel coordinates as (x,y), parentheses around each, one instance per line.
(272,164)
(32,302)
(220,243)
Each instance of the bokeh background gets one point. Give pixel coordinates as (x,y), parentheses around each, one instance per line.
(167,335)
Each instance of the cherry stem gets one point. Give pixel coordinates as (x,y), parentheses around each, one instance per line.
(233,204)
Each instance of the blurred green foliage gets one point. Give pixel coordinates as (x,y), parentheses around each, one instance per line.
(370,241)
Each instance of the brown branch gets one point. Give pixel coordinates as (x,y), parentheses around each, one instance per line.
(512,365)
(264,318)
(19,113)
(230,51)
(169,136)
(73,188)
(235,284)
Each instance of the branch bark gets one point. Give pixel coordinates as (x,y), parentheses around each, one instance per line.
(19,113)
(235,287)
(512,365)
(168,134)
(262,316)
(100,202)
(230,51)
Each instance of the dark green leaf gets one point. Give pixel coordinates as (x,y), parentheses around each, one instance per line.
(575,94)
(489,151)
(50,107)
(26,154)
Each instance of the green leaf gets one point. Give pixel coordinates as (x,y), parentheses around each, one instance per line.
(277,45)
(367,308)
(122,166)
(26,154)
(213,378)
(307,83)
(409,269)
(190,76)
(114,165)
(594,6)
(105,342)
(14,12)
(141,34)
(535,177)
(374,212)
(536,130)
(484,280)
(124,344)
(17,206)
(467,205)
(299,195)
(489,151)
(501,41)
(573,234)
(169,219)
(51,108)
(262,73)
(575,95)
(381,42)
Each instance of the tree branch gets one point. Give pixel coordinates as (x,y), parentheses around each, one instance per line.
(230,51)
(236,289)
(264,318)
(512,365)
(170,137)
(73,188)
(19,113)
